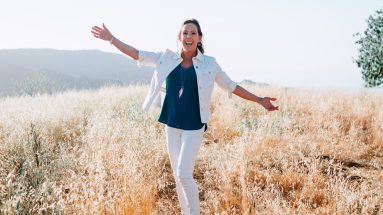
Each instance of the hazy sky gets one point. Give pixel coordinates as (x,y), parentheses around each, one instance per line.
(291,43)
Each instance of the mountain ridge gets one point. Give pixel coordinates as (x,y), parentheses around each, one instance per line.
(67,69)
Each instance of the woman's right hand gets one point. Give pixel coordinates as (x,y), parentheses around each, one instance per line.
(102,33)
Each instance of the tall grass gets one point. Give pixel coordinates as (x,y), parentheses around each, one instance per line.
(92,152)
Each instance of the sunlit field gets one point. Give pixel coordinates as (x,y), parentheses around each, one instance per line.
(97,152)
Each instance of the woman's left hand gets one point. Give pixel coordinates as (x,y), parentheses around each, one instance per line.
(266,103)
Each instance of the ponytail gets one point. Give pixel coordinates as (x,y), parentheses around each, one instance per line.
(200,47)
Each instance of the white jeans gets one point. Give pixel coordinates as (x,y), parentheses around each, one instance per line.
(183,147)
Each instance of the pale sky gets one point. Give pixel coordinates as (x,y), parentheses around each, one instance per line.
(295,43)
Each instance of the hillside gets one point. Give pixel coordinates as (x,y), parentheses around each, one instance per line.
(55,70)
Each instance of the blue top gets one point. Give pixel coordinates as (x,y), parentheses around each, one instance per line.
(181,112)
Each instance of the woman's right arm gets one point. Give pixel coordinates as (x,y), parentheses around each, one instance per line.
(104,34)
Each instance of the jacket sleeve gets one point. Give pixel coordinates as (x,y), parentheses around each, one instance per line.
(223,80)
(146,58)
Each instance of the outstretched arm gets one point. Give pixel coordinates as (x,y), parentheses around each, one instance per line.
(265,101)
(104,34)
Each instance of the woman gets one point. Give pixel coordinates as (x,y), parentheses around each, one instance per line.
(190,77)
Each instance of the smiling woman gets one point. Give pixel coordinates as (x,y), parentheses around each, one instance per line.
(190,76)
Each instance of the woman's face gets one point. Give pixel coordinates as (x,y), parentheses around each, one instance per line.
(189,37)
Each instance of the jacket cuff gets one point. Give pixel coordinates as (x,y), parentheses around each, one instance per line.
(141,58)
(232,87)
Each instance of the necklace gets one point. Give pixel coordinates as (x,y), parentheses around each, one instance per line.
(182,82)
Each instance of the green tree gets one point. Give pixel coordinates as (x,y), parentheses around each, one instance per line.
(370,58)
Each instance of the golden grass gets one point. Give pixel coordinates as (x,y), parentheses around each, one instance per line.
(96,152)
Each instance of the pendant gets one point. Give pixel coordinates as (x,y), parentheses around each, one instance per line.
(180,92)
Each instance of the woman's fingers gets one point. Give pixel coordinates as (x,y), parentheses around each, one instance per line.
(96,34)
(96,28)
(101,33)
(272,108)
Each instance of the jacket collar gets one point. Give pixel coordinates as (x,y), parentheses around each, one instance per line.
(199,56)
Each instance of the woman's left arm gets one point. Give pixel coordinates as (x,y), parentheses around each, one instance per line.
(264,101)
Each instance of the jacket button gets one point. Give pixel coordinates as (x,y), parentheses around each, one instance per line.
(196,67)
(160,62)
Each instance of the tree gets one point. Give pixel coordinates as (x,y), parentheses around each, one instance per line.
(370,50)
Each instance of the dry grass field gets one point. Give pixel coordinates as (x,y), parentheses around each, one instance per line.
(97,152)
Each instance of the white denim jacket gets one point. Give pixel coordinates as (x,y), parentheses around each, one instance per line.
(207,70)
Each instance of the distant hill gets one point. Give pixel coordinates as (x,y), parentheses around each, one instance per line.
(250,82)
(48,70)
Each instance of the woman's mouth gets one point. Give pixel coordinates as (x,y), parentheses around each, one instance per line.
(188,43)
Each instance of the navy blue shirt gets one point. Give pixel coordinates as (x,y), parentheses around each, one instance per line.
(181,112)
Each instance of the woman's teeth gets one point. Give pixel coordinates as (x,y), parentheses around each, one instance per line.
(188,43)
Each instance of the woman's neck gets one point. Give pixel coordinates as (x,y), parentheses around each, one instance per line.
(188,55)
